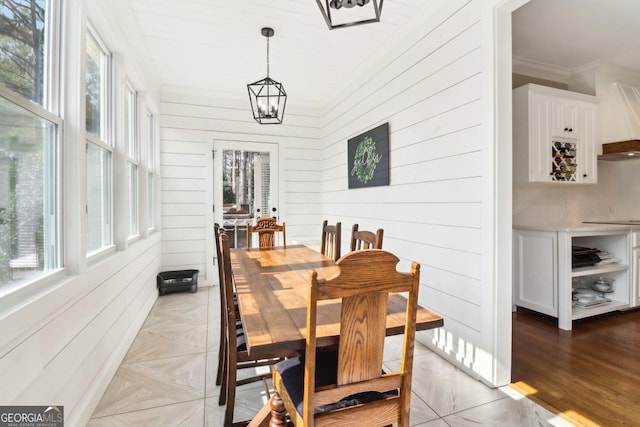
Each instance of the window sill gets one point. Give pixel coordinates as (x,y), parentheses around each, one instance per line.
(100,254)
(16,295)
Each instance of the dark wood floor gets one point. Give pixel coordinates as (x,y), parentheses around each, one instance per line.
(590,375)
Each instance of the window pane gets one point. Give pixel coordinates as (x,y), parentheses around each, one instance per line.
(96,77)
(152,143)
(28,194)
(130,124)
(98,198)
(133,199)
(22,47)
(150,199)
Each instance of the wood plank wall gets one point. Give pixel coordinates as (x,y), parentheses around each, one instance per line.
(428,86)
(429,91)
(189,125)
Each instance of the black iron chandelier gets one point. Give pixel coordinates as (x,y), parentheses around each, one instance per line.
(267,96)
(349,18)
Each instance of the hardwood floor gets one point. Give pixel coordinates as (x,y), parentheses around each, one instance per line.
(590,375)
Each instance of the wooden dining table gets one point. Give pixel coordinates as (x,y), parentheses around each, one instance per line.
(271,286)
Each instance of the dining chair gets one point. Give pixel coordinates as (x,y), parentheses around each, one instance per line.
(266,228)
(347,385)
(223,318)
(361,239)
(331,240)
(236,355)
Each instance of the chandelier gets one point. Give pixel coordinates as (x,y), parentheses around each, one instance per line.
(267,96)
(366,12)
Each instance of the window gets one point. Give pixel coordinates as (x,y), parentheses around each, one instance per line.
(22,47)
(151,154)
(29,142)
(132,150)
(99,145)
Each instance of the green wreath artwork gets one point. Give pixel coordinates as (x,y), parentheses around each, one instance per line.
(365,160)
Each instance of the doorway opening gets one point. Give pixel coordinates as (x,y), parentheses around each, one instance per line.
(245,187)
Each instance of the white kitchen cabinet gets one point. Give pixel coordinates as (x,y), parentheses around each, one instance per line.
(554,135)
(535,271)
(544,278)
(635,291)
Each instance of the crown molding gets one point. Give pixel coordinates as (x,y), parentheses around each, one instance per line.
(540,70)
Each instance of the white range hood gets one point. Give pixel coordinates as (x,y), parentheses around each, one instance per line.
(621,123)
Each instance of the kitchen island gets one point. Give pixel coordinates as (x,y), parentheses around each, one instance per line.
(546,279)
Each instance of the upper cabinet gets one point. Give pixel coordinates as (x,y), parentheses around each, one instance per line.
(554,135)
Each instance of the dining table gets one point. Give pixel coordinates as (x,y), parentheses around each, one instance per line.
(271,287)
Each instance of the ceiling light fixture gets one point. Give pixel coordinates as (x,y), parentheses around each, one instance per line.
(267,96)
(351,16)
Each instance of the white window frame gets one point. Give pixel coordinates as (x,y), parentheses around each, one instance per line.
(151,162)
(132,154)
(106,140)
(13,293)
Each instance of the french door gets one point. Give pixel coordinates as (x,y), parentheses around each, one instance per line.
(245,187)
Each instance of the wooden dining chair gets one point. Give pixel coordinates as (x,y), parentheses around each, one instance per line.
(331,240)
(223,318)
(236,355)
(266,228)
(365,239)
(348,385)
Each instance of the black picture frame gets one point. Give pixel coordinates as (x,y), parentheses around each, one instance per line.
(368,158)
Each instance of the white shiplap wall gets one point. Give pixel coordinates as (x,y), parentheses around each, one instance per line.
(190,123)
(430,93)
(430,87)
(61,341)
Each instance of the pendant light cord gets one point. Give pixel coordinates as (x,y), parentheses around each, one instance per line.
(268,56)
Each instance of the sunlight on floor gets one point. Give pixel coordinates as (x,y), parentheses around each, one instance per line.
(520,390)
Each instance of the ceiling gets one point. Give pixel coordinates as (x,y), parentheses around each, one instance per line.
(570,34)
(217,46)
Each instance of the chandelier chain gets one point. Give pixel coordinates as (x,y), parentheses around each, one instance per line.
(267,56)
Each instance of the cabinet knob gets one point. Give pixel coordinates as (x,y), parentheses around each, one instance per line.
(568,129)
(584,175)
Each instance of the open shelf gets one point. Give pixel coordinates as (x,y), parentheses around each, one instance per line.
(598,269)
(581,313)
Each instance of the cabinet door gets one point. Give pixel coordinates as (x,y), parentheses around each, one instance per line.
(540,165)
(588,156)
(635,281)
(535,271)
(566,117)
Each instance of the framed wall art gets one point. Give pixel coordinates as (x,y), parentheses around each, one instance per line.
(368,158)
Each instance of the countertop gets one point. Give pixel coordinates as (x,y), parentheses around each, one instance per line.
(579,226)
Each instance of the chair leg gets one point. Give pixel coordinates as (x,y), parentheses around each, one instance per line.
(225,376)
(230,391)
(278,411)
(221,352)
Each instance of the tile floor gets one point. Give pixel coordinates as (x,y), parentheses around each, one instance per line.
(168,379)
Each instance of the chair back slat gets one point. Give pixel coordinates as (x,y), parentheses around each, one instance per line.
(331,240)
(363,323)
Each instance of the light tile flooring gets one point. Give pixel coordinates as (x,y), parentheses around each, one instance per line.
(168,379)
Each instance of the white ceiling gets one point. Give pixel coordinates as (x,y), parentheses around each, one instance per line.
(215,45)
(573,33)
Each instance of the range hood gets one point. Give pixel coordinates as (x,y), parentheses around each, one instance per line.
(622,150)
(621,123)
